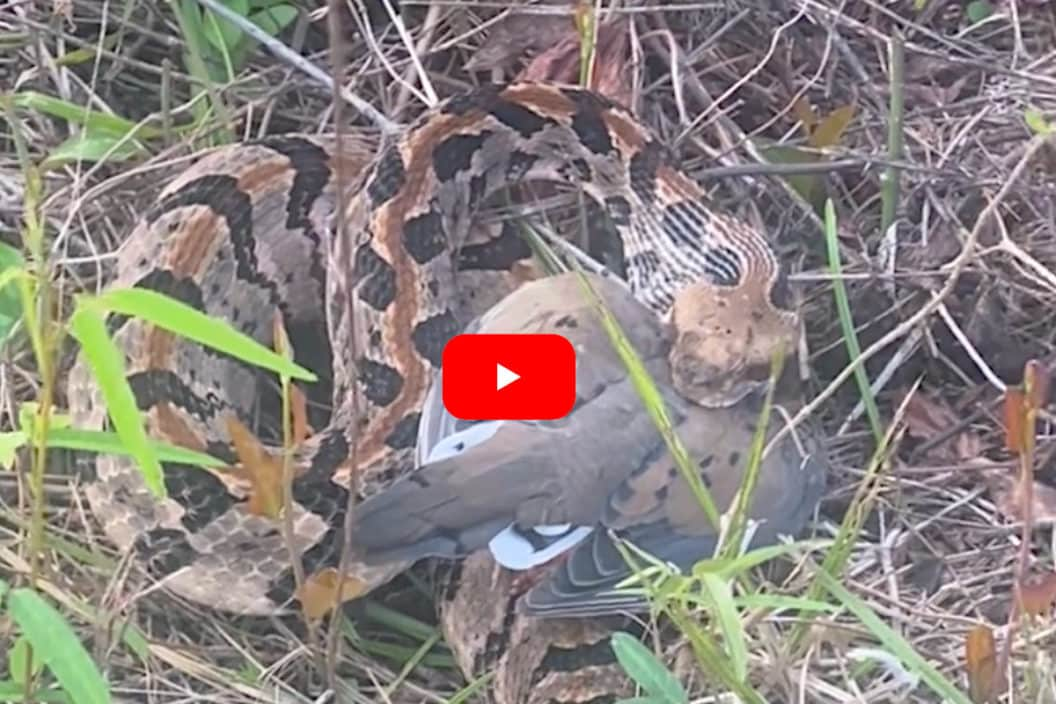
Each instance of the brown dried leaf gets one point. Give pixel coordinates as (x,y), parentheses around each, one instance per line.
(1015,420)
(517,34)
(1007,494)
(262,469)
(1037,593)
(560,63)
(927,418)
(299,412)
(298,401)
(318,595)
(980,654)
(282,340)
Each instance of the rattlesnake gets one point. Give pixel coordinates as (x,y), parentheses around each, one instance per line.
(247,231)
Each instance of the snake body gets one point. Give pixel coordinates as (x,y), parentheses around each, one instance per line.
(249,230)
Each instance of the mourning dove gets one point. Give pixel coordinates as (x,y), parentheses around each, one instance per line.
(563,485)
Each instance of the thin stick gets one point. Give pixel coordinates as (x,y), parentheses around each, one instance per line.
(955,267)
(284,53)
(337,57)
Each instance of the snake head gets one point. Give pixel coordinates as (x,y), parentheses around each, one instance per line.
(725,337)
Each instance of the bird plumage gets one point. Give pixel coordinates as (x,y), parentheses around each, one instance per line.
(604,468)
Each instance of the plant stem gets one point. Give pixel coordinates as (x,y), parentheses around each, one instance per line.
(895,116)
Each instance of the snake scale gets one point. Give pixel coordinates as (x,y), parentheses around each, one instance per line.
(248,230)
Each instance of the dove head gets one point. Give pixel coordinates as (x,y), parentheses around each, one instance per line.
(725,338)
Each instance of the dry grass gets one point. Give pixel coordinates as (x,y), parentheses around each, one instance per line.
(935,557)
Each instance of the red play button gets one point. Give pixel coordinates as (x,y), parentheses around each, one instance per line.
(509,377)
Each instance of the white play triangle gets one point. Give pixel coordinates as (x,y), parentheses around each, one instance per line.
(504,377)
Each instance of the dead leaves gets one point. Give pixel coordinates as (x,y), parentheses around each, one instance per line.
(1037,594)
(980,655)
(555,43)
(1011,489)
(261,468)
(319,593)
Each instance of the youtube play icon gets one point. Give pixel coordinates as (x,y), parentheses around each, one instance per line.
(509,377)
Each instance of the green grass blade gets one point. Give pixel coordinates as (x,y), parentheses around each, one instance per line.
(12,266)
(843,308)
(729,622)
(108,443)
(652,400)
(80,115)
(895,643)
(108,366)
(181,319)
(54,641)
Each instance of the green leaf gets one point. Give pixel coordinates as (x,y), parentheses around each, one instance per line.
(843,308)
(1036,122)
(9,446)
(274,19)
(221,33)
(729,622)
(105,442)
(79,115)
(978,10)
(93,145)
(57,645)
(183,320)
(18,657)
(12,692)
(11,263)
(644,668)
(107,362)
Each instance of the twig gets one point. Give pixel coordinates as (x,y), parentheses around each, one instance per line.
(339,244)
(284,53)
(431,98)
(954,267)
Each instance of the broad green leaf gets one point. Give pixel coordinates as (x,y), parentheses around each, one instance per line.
(183,320)
(644,668)
(109,443)
(11,263)
(810,186)
(107,362)
(9,446)
(57,645)
(221,33)
(729,622)
(93,145)
(17,659)
(274,19)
